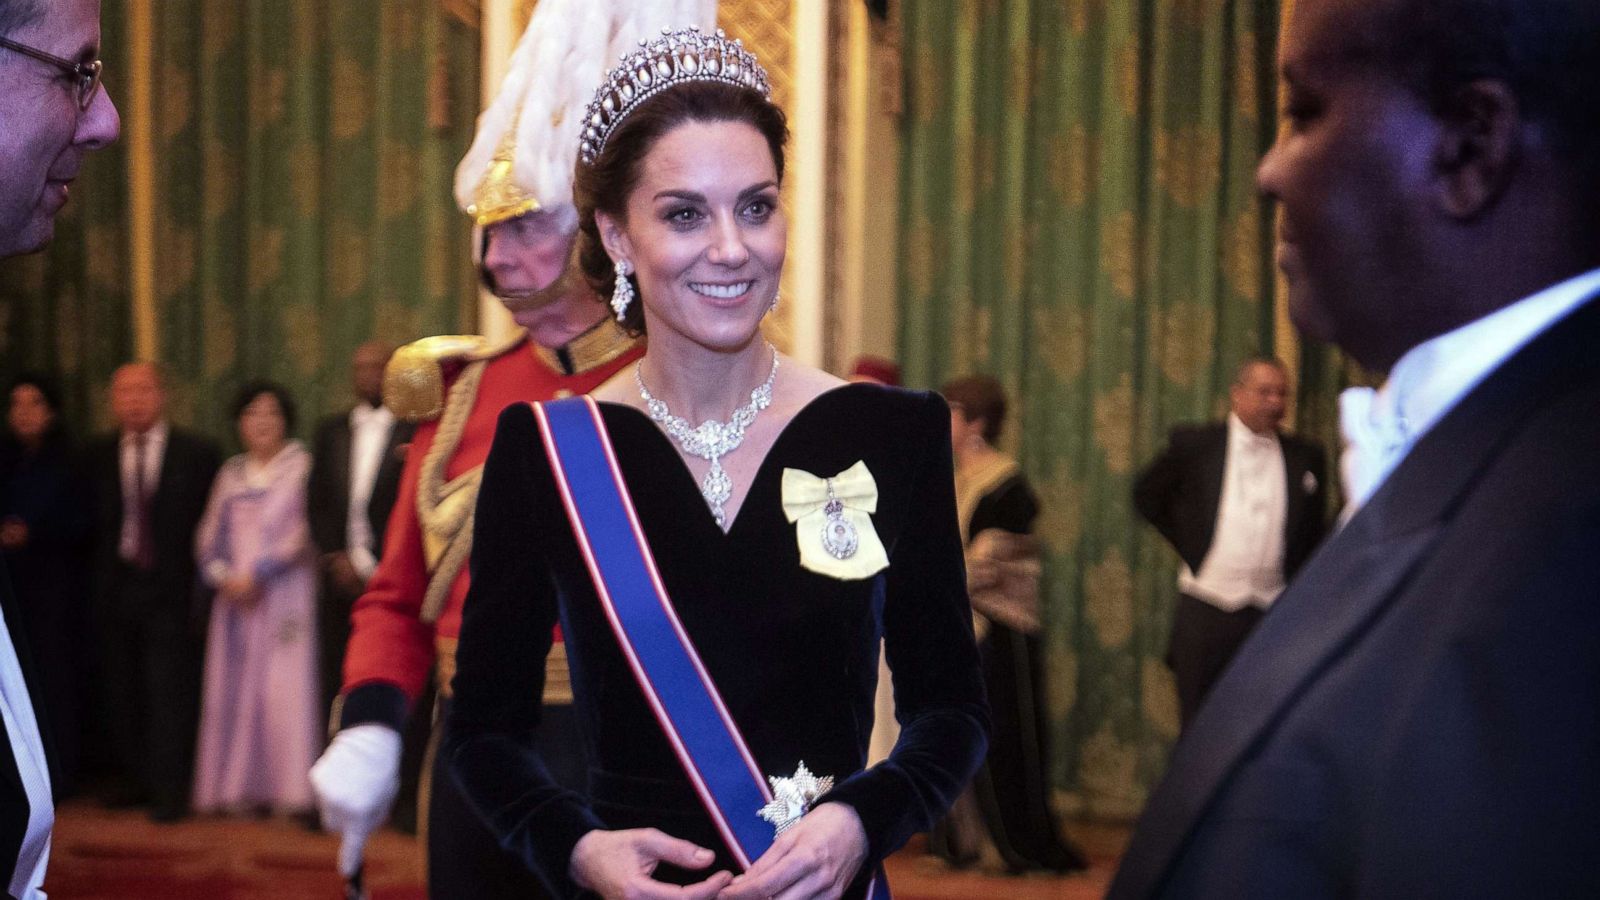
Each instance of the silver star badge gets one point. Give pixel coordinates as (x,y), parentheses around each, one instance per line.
(792,797)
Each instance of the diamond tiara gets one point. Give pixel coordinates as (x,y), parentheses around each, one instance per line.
(680,55)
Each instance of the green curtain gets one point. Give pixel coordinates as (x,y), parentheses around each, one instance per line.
(304,194)
(1079,219)
(304,152)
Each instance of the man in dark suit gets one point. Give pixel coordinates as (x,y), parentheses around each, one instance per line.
(1244,505)
(355,476)
(1420,714)
(151,482)
(52,112)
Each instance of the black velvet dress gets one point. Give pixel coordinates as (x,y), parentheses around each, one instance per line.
(793,652)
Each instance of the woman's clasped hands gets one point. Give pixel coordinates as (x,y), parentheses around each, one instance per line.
(814,860)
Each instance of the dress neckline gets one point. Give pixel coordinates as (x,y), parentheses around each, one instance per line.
(684,472)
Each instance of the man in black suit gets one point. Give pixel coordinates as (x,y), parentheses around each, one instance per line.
(52,112)
(151,482)
(1420,714)
(355,476)
(1244,505)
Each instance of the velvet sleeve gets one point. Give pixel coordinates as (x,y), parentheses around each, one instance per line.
(938,689)
(506,632)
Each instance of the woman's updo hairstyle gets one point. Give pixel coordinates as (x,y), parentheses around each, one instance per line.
(606,184)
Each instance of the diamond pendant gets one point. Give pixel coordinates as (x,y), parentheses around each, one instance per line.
(716,487)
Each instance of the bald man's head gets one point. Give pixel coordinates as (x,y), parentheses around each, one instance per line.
(138,396)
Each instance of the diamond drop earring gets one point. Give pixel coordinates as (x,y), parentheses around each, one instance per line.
(622,294)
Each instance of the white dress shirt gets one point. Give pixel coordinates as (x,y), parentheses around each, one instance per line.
(1244,566)
(27,748)
(1432,377)
(155,448)
(369,436)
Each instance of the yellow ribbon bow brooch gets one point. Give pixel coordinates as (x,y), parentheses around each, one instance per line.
(833,522)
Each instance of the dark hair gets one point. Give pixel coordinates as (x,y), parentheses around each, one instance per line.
(606,184)
(1546,51)
(1251,362)
(978,397)
(50,390)
(18,14)
(248,394)
(48,387)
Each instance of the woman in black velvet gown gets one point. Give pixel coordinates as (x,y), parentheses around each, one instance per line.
(1004,820)
(681,196)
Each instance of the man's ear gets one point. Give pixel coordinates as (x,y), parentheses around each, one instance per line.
(613,237)
(1479,147)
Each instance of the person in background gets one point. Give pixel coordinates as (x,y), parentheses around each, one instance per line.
(52,113)
(151,479)
(870,369)
(356,458)
(259,720)
(1244,504)
(875,370)
(1419,714)
(44,531)
(1004,821)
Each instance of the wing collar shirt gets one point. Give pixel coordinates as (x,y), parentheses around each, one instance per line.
(1244,566)
(155,449)
(369,435)
(1380,427)
(27,748)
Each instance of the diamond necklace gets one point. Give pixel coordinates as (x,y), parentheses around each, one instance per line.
(712,439)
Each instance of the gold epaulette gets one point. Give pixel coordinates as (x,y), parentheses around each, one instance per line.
(413,381)
(489,351)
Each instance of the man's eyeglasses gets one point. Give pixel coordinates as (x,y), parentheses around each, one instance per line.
(87,74)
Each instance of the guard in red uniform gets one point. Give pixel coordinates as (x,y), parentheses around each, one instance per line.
(516,184)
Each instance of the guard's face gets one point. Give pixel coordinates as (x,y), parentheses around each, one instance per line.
(704,234)
(1350,171)
(44,134)
(525,256)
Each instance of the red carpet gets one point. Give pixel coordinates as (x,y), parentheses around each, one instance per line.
(103,855)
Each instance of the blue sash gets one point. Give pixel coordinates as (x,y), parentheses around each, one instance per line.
(664,662)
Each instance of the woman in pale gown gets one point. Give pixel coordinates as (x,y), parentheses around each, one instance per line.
(258,722)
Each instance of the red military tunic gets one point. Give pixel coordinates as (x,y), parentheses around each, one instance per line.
(394,635)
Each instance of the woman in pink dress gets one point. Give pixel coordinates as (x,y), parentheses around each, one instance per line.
(258,721)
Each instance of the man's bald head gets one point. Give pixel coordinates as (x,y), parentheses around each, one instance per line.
(138,396)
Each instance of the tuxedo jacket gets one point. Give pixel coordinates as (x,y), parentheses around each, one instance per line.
(328,487)
(13,797)
(187,468)
(1180,491)
(1418,715)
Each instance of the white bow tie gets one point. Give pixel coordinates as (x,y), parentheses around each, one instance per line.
(1375,438)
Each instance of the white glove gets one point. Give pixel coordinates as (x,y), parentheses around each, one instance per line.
(355,782)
